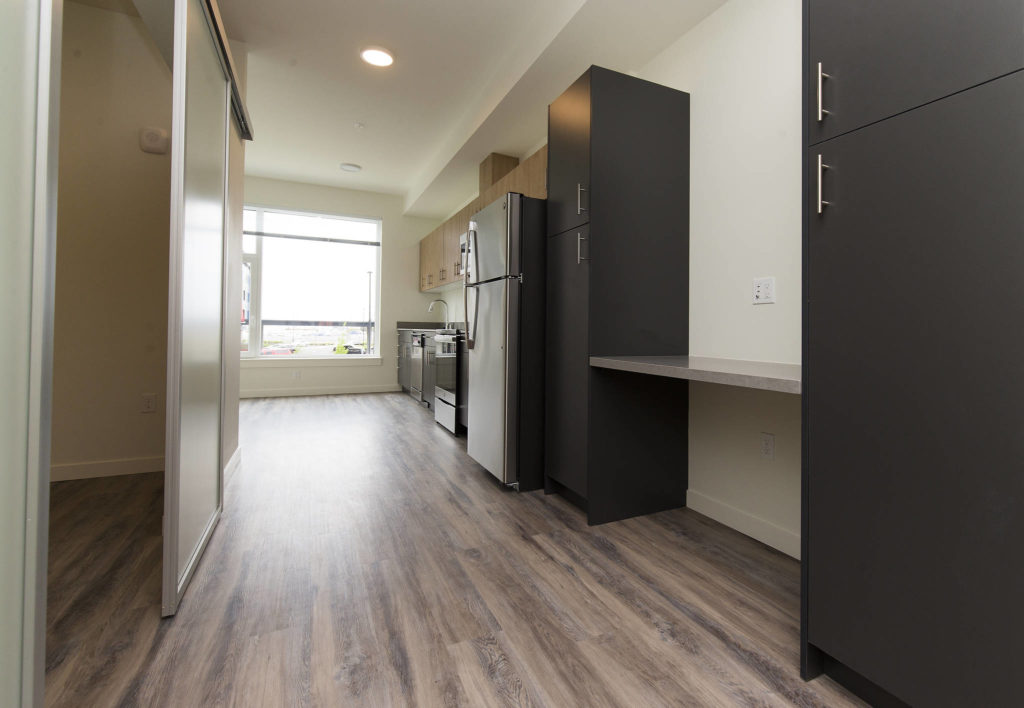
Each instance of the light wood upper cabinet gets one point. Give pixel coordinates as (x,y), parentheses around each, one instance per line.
(440,261)
(452,260)
(431,250)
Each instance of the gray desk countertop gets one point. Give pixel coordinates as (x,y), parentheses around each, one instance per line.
(764,375)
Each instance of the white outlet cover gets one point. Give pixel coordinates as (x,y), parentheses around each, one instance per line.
(768,446)
(764,291)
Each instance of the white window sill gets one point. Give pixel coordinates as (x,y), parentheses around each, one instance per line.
(300,362)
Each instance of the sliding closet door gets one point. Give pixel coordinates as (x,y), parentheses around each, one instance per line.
(193,477)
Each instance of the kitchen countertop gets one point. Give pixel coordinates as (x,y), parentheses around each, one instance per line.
(764,375)
(429,325)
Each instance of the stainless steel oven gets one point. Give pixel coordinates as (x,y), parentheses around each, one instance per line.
(446,393)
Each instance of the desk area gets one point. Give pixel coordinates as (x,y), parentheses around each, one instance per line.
(638,418)
(763,375)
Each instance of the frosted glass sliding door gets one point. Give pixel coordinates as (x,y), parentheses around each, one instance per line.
(193,486)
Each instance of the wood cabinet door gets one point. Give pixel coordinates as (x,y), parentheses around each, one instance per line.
(453,231)
(567,370)
(424,261)
(430,259)
(883,57)
(569,158)
(914,384)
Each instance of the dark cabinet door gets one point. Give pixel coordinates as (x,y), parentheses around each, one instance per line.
(887,56)
(429,371)
(569,158)
(568,364)
(404,359)
(915,408)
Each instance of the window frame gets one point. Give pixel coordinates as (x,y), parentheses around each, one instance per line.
(255,261)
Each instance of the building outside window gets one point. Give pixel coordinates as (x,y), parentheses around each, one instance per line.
(310,284)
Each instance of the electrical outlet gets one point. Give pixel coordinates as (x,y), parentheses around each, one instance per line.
(148,403)
(296,374)
(768,446)
(764,291)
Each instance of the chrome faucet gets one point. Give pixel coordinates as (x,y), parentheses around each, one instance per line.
(430,308)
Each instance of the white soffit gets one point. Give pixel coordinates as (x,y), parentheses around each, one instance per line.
(469,78)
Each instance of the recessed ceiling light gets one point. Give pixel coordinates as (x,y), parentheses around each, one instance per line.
(377,56)
(350,166)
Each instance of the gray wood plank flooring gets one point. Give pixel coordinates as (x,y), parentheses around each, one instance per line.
(364,560)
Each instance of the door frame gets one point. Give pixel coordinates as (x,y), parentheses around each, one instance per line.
(28,670)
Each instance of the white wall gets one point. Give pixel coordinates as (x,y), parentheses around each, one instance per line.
(400,295)
(110,329)
(741,67)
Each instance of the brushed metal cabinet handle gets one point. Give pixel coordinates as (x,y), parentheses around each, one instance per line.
(821,177)
(579,248)
(821,107)
(579,198)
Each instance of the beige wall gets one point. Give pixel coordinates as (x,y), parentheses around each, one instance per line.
(110,328)
(742,69)
(400,296)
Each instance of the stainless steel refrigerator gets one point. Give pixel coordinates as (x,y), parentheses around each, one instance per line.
(504,298)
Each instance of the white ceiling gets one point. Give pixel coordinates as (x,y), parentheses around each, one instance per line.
(470,77)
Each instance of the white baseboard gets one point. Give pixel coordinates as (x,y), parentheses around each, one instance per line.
(233,464)
(754,526)
(64,471)
(318,390)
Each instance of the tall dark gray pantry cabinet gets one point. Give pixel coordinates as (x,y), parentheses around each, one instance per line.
(618,284)
(913,530)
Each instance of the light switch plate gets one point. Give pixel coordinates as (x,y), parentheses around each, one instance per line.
(764,291)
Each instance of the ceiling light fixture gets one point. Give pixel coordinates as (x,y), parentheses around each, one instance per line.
(350,166)
(378,56)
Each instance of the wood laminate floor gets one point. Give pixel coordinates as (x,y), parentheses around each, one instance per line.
(364,560)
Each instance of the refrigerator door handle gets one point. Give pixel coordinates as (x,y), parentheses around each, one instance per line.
(473,245)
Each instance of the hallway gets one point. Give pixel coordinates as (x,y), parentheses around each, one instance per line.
(364,559)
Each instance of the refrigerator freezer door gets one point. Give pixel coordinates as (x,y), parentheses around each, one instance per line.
(489,242)
(486,434)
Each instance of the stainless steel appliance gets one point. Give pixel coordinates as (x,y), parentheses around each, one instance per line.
(504,299)
(446,389)
(416,367)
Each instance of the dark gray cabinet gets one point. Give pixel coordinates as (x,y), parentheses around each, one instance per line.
(915,506)
(913,238)
(569,158)
(618,284)
(883,57)
(404,358)
(429,369)
(567,367)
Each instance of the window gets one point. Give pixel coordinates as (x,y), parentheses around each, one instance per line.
(310,285)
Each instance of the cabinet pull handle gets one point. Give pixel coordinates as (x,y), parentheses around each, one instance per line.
(821,177)
(579,198)
(821,79)
(579,248)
